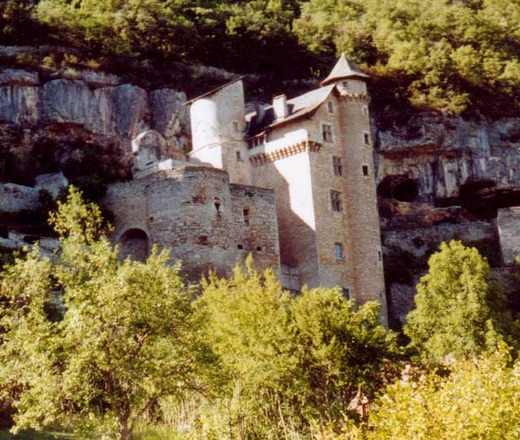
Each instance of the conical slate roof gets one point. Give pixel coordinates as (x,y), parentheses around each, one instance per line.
(343,69)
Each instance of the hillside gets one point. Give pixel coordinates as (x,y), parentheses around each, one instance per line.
(459,56)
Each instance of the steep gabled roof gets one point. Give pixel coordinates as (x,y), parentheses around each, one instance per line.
(299,106)
(343,69)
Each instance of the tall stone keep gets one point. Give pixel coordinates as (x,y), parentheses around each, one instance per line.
(315,151)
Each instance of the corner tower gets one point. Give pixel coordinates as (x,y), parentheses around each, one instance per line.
(361,223)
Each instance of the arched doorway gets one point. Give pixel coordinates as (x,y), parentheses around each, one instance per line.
(134,243)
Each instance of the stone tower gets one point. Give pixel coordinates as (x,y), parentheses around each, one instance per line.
(315,151)
(218,129)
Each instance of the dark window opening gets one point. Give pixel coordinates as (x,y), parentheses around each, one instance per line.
(245,215)
(346,292)
(337,165)
(238,155)
(336,201)
(379,256)
(240,246)
(366,138)
(259,248)
(365,170)
(203,239)
(326,132)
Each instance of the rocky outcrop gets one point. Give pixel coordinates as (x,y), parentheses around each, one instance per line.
(105,111)
(442,153)
(442,178)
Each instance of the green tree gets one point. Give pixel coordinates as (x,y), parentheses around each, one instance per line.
(89,342)
(479,400)
(292,361)
(459,309)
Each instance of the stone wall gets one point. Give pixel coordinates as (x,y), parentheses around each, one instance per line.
(195,213)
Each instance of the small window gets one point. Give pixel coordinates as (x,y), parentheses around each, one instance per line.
(379,255)
(365,110)
(217,205)
(326,132)
(338,251)
(346,292)
(337,165)
(259,248)
(336,201)
(240,246)
(330,106)
(238,155)
(344,84)
(365,170)
(235,126)
(245,215)
(366,138)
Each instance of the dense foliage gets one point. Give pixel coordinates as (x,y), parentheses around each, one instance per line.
(124,349)
(449,55)
(479,400)
(459,310)
(89,342)
(293,361)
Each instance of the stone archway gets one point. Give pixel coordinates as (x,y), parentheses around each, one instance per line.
(134,243)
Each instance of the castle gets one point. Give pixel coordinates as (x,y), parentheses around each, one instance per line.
(291,183)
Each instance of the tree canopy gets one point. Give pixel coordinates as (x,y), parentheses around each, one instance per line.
(90,342)
(453,55)
(459,311)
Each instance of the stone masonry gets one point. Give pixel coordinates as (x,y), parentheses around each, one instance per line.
(315,152)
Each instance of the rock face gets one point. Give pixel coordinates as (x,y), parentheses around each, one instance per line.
(442,153)
(105,111)
(442,178)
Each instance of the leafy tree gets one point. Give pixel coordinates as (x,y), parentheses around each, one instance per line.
(479,399)
(452,55)
(459,310)
(292,361)
(89,341)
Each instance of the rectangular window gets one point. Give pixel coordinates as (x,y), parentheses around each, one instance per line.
(238,155)
(365,110)
(336,201)
(235,126)
(337,165)
(365,170)
(245,215)
(338,251)
(346,292)
(330,107)
(326,132)
(366,138)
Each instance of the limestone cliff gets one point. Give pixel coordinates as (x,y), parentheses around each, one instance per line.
(440,178)
(57,121)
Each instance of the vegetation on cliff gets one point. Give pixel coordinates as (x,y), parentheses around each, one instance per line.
(453,55)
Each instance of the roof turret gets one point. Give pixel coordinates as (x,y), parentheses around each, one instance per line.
(343,69)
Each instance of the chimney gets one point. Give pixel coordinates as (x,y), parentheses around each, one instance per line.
(280,107)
